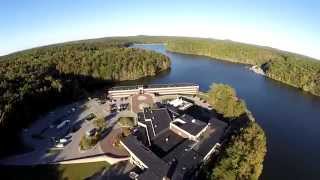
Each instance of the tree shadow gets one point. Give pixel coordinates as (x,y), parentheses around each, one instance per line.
(38,172)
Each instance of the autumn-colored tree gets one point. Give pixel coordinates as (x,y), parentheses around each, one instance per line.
(243,156)
(224,100)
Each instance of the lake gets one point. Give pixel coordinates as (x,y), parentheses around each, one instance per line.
(289,116)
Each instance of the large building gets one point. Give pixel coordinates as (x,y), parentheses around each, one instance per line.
(160,89)
(173,140)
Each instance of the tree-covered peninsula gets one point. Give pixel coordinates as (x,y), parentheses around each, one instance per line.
(242,155)
(293,69)
(35,80)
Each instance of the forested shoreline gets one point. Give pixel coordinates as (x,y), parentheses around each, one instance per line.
(35,80)
(243,153)
(293,69)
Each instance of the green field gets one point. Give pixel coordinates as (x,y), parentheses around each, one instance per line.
(52,172)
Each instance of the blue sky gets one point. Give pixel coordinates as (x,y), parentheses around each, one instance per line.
(289,25)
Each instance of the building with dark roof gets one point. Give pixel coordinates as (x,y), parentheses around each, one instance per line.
(160,119)
(170,143)
(143,157)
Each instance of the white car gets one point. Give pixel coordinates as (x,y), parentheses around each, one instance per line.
(63,140)
(59,145)
(133,175)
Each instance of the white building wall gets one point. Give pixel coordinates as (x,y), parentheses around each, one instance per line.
(161,91)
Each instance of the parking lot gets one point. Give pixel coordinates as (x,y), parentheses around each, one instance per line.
(56,136)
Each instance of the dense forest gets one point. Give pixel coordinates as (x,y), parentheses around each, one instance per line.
(35,80)
(293,69)
(243,154)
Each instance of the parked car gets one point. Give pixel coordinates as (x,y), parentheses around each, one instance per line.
(63,140)
(133,175)
(59,145)
(68,136)
(75,128)
(91,132)
(90,117)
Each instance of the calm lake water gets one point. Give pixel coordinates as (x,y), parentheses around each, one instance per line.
(290,117)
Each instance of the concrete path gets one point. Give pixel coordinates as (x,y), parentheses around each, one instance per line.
(99,158)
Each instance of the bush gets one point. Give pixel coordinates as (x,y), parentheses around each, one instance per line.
(126,122)
(88,142)
(101,124)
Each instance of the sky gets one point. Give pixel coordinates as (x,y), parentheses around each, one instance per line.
(291,25)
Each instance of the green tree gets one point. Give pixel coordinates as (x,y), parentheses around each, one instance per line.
(224,100)
(243,156)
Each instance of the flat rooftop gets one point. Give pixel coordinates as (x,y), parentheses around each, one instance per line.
(183,160)
(191,125)
(166,142)
(116,88)
(212,136)
(199,113)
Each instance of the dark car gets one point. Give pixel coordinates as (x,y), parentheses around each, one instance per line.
(90,117)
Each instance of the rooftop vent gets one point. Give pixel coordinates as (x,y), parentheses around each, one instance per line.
(193,121)
(167,139)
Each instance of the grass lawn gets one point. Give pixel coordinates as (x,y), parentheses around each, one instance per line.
(54,172)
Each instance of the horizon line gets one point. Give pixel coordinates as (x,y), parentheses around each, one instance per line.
(123,36)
